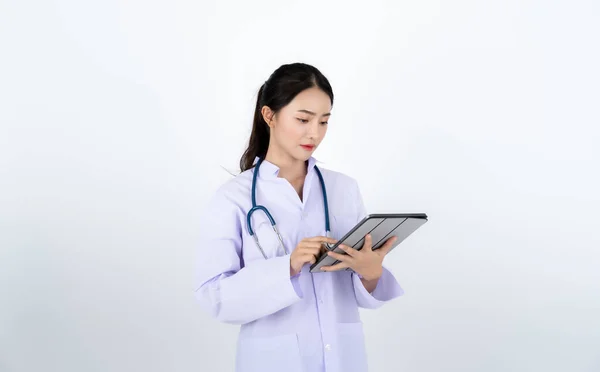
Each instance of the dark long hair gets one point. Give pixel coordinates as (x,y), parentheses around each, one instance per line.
(283,85)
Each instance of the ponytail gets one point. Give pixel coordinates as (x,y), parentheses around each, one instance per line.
(259,139)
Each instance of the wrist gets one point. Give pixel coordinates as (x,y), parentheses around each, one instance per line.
(370,284)
(293,272)
(370,277)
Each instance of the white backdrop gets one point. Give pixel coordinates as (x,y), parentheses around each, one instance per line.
(116,117)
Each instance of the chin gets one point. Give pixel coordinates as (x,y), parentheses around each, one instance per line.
(303,156)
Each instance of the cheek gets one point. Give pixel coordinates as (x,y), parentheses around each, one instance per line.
(292,133)
(323,130)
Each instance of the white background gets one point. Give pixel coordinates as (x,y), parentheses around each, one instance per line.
(116,119)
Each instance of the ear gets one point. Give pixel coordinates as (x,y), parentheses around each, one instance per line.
(268,116)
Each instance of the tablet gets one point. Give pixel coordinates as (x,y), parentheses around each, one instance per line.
(381,227)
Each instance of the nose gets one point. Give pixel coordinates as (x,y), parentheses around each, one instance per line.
(313,129)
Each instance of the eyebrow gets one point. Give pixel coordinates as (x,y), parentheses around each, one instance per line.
(312,113)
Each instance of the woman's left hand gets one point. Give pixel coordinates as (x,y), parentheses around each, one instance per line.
(366,262)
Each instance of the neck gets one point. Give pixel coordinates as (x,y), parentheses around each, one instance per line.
(289,168)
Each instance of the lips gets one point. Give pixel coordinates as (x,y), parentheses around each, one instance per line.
(308,147)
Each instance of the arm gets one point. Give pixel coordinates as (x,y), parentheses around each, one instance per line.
(229,292)
(374,293)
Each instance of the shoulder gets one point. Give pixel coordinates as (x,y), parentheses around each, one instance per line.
(233,193)
(238,184)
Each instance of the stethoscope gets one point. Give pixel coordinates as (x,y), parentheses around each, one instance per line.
(264,209)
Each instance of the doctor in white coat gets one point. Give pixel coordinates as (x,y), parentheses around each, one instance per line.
(291,320)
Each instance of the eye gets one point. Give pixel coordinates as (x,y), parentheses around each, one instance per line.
(324,122)
(303,120)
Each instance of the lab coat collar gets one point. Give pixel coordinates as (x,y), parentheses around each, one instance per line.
(269,170)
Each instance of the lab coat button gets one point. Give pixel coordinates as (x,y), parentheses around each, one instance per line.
(328,347)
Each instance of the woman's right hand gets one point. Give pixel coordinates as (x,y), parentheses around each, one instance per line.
(307,251)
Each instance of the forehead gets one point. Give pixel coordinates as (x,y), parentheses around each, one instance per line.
(313,99)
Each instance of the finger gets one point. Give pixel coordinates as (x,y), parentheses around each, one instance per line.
(322,239)
(310,245)
(385,249)
(368,241)
(341,257)
(305,257)
(315,245)
(336,267)
(308,258)
(349,251)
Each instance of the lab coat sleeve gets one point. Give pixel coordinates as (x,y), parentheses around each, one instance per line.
(229,290)
(387,287)
(386,290)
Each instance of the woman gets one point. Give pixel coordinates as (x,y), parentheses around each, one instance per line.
(291,320)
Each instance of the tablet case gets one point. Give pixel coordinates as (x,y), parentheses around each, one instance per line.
(381,227)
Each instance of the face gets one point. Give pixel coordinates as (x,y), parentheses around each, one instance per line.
(298,128)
